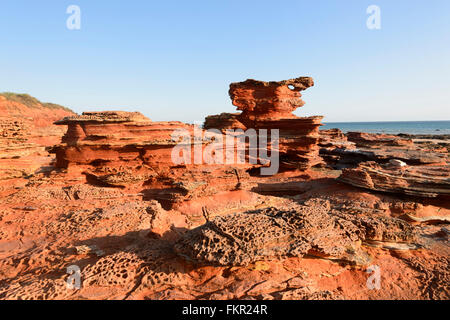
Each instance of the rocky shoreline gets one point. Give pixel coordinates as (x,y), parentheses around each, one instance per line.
(103,195)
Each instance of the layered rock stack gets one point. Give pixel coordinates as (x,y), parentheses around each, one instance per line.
(128,150)
(269,105)
(114,137)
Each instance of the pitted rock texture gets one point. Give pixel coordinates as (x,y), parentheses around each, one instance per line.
(124,245)
(422,181)
(16,152)
(297,235)
(25,130)
(313,228)
(34,114)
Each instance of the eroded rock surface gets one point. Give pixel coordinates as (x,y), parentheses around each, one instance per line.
(313,228)
(422,181)
(334,146)
(348,150)
(269,105)
(128,150)
(290,247)
(25,130)
(274,100)
(296,235)
(369,140)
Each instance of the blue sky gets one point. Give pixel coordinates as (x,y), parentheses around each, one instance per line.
(174,60)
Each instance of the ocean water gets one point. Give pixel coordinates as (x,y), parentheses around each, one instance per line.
(393,127)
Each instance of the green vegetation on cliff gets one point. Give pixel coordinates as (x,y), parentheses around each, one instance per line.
(30,101)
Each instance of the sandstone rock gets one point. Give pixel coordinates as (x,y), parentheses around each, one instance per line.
(409,156)
(309,294)
(335,138)
(333,147)
(422,181)
(269,105)
(223,122)
(341,158)
(105,117)
(92,249)
(251,247)
(260,100)
(383,148)
(25,130)
(341,153)
(128,150)
(368,140)
(397,163)
(313,229)
(429,142)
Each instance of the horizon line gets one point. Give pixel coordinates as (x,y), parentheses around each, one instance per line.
(386,121)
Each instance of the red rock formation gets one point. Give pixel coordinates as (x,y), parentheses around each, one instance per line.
(121,149)
(37,117)
(269,105)
(114,137)
(313,228)
(335,138)
(124,149)
(333,148)
(224,121)
(343,151)
(369,140)
(383,147)
(422,181)
(25,130)
(260,100)
(130,248)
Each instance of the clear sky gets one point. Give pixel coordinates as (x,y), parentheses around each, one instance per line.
(174,60)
